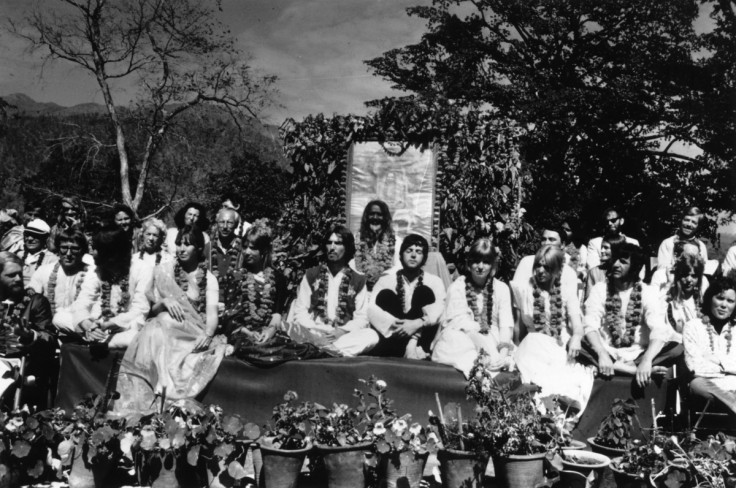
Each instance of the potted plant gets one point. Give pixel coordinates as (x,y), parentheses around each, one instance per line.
(285,444)
(403,447)
(461,452)
(25,456)
(91,444)
(343,435)
(220,444)
(514,428)
(614,432)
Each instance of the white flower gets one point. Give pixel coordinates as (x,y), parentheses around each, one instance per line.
(433,437)
(126,443)
(381,385)
(180,421)
(399,426)
(379,428)
(415,428)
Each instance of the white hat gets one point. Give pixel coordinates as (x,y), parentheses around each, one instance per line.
(38,226)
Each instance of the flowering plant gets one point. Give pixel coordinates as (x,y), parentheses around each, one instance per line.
(615,428)
(449,431)
(346,426)
(292,424)
(510,420)
(400,434)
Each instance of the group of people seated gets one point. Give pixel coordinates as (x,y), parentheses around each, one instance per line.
(178,299)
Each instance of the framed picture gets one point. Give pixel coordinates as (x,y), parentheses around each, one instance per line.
(401,175)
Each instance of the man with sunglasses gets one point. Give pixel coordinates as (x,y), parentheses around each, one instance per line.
(613,221)
(35,254)
(60,282)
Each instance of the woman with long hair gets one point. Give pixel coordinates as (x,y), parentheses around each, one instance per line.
(177,353)
(708,340)
(550,330)
(150,246)
(477,314)
(191,214)
(683,299)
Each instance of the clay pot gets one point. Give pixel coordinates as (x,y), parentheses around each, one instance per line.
(402,470)
(461,469)
(281,468)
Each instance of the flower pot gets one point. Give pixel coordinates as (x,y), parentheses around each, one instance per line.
(281,468)
(585,463)
(84,475)
(520,471)
(461,469)
(345,465)
(167,475)
(218,475)
(575,445)
(402,470)
(611,452)
(627,480)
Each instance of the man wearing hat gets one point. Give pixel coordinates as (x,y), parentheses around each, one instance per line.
(35,254)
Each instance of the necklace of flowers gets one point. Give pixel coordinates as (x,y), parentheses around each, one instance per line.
(40,258)
(712,333)
(471,296)
(200,303)
(257,316)
(341,314)
(232,253)
(52,285)
(671,306)
(632,317)
(552,326)
(400,291)
(124,283)
(158,257)
(382,254)
(12,311)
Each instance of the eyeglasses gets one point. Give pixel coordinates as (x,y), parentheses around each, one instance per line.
(612,220)
(69,249)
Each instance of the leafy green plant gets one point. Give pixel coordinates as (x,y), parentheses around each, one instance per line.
(615,428)
(292,424)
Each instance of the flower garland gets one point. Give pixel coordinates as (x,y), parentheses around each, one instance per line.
(471,296)
(200,303)
(158,257)
(400,291)
(41,255)
(106,286)
(52,285)
(374,260)
(260,303)
(632,317)
(712,333)
(342,315)
(552,326)
(232,253)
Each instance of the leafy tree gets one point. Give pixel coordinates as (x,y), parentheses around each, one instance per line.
(599,85)
(178,53)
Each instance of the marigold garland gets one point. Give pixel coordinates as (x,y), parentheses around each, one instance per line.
(256,301)
(232,253)
(471,296)
(41,255)
(106,286)
(712,333)
(345,292)
(552,325)
(182,279)
(631,319)
(373,259)
(52,285)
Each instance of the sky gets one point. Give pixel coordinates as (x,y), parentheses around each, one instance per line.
(317,48)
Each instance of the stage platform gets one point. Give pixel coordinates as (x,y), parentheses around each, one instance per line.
(252,391)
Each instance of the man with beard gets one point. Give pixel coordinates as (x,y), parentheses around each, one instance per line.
(613,222)
(61,282)
(35,254)
(331,305)
(688,231)
(26,329)
(226,251)
(375,252)
(406,306)
(624,321)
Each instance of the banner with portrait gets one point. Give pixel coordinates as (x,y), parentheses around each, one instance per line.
(401,175)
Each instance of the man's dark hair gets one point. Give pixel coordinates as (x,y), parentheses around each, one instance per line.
(347,240)
(202,222)
(718,285)
(414,240)
(634,253)
(365,228)
(554,227)
(72,235)
(113,252)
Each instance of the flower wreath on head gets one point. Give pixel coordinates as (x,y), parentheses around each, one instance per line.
(200,303)
(345,293)
(52,285)
(122,305)
(484,318)
(553,325)
(632,318)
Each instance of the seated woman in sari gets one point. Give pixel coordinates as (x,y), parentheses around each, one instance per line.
(176,354)
(477,314)
(256,293)
(708,341)
(550,328)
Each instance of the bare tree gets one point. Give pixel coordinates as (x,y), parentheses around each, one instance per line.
(179,54)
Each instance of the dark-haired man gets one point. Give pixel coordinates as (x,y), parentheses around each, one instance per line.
(332,301)
(613,221)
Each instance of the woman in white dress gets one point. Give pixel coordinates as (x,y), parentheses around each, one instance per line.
(153,234)
(683,299)
(708,340)
(477,314)
(549,325)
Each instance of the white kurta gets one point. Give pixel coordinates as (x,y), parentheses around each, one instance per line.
(31,264)
(525,271)
(65,291)
(665,254)
(459,339)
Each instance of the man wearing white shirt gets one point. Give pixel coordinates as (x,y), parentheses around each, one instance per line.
(688,231)
(613,222)
(34,253)
(331,304)
(62,281)
(624,321)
